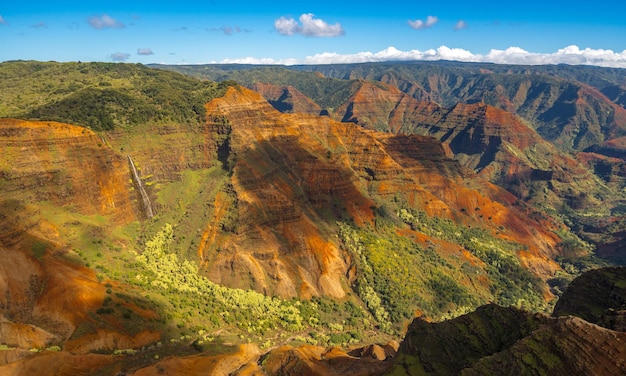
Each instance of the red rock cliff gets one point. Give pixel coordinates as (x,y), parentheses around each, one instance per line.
(293,174)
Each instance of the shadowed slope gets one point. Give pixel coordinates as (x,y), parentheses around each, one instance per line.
(598,296)
(497,340)
(293,176)
(496,144)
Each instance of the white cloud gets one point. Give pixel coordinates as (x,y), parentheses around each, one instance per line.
(2,21)
(419,24)
(513,55)
(261,61)
(144,51)
(39,25)
(309,26)
(119,56)
(286,26)
(460,24)
(105,22)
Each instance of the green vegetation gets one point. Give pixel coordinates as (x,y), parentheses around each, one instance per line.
(389,265)
(39,249)
(163,270)
(550,99)
(328,93)
(102,96)
(190,305)
(387,269)
(595,296)
(511,283)
(186,203)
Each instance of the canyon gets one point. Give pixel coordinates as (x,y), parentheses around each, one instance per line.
(290,236)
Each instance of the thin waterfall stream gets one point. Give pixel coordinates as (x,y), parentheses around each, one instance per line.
(142,191)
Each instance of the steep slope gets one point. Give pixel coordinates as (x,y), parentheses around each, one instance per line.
(450,346)
(256,196)
(287,99)
(328,93)
(509,341)
(567,346)
(496,144)
(505,148)
(574,107)
(293,176)
(506,340)
(598,296)
(566,105)
(331,222)
(63,189)
(64,165)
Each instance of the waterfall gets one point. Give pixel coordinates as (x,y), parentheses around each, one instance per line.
(142,191)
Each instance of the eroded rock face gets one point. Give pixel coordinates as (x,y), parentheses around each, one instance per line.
(498,145)
(58,364)
(287,99)
(44,301)
(294,175)
(506,340)
(598,296)
(55,178)
(318,361)
(203,364)
(566,346)
(572,109)
(65,164)
(290,178)
(279,246)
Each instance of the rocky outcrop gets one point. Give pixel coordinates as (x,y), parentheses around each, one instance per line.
(269,223)
(566,346)
(151,148)
(573,107)
(66,165)
(43,302)
(63,186)
(318,361)
(557,110)
(234,363)
(597,296)
(498,145)
(287,99)
(293,176)
(58,364)
(512,341)
(448,347)
(501,340)
(278,246)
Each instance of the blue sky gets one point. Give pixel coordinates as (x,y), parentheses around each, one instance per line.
(298,32)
